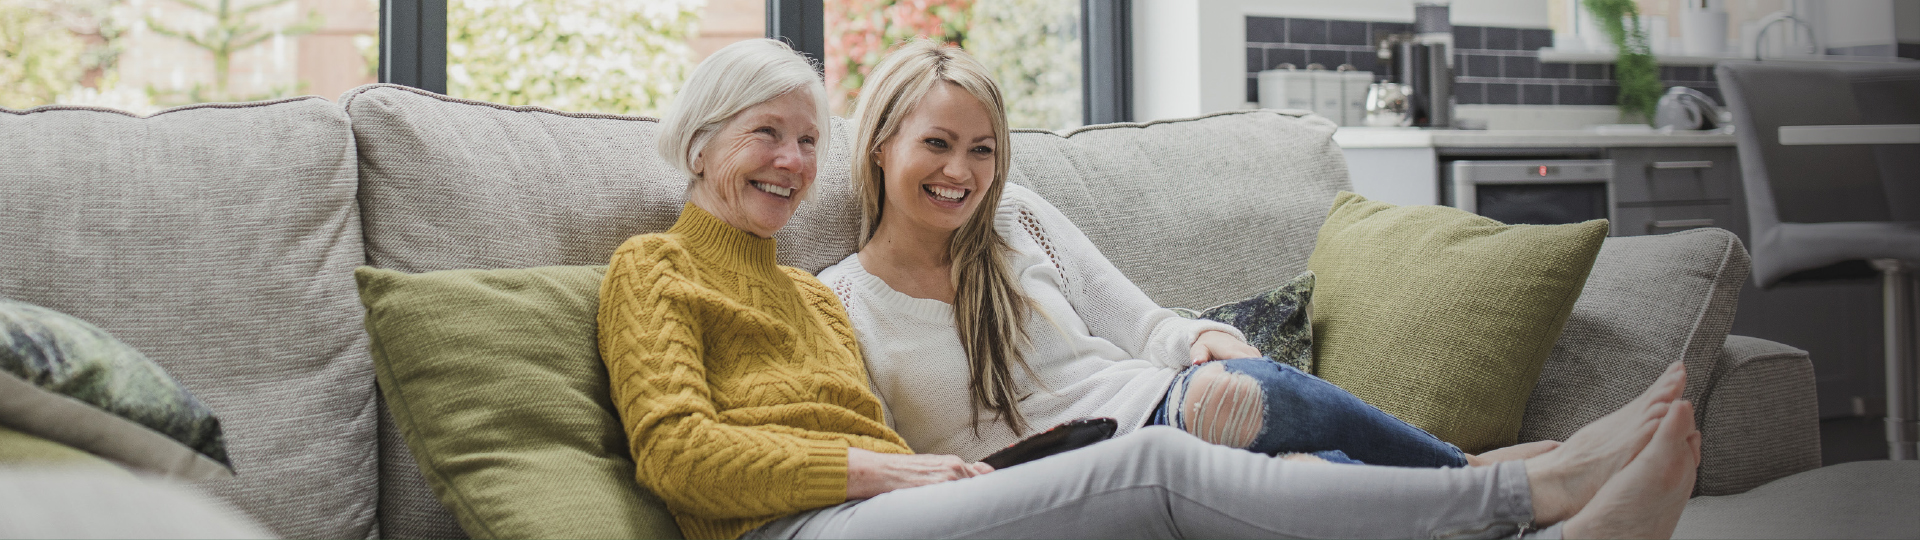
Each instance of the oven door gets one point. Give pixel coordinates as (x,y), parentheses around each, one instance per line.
(1536,192)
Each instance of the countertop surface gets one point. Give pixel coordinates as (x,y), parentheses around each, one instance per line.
(1372,137)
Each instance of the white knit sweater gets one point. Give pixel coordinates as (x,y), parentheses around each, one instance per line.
(1100,346)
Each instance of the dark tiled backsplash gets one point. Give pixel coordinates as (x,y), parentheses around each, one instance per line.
(1492,65)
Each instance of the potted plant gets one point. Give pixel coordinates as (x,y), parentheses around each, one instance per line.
(1633,68)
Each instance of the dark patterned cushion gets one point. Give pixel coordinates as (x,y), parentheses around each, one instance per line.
(68,381)
(1276,322)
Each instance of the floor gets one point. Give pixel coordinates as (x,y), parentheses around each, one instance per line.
(1853,438)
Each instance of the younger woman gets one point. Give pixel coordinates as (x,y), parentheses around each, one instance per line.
(985,315)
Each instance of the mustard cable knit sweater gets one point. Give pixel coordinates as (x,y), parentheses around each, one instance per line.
(740,382)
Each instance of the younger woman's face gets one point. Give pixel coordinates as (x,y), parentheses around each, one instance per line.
(939,163)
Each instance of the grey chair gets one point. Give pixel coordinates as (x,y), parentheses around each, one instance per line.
(1824,211)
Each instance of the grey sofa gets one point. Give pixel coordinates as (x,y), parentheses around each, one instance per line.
(220,239)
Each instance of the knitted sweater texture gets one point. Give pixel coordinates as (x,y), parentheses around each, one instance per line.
(1100,346)
(739,381)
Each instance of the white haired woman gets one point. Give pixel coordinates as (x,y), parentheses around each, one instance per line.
(746,405)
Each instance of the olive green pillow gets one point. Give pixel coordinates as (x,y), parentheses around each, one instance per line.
(1442,317)
(494,378)
(20,450)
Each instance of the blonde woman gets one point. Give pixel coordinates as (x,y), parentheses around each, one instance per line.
(984,314)
(744,399)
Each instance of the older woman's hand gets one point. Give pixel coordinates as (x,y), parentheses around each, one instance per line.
(873,473)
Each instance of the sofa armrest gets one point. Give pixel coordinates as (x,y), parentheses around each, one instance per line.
(1759,419)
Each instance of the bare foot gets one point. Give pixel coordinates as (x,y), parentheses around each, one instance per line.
(1645,500)
(1512,453)
(1568,476)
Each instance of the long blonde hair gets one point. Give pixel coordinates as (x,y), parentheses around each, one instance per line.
(988,309)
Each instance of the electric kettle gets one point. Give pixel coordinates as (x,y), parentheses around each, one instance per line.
(1686,108)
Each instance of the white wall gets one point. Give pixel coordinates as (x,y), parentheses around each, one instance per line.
(1166,58)
(1906,22)
(1852,23)
(1190,55)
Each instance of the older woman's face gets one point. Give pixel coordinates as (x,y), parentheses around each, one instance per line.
(756,168)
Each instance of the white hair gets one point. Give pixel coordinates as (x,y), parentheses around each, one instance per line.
(736,77)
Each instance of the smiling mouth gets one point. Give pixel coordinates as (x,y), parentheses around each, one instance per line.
(946,194)
(777,191)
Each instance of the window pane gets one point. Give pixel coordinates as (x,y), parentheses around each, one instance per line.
(146,55)
(1031,46)
(604,56)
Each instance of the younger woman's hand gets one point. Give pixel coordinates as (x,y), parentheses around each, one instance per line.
(872,473)
(1216,345)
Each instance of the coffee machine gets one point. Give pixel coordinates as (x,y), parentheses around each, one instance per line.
(1423,62)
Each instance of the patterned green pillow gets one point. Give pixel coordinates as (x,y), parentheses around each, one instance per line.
(70,382)
(1277,322)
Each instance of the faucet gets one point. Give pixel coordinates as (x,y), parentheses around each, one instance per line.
(1759,36)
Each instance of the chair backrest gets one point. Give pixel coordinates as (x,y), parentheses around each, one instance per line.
(1890,94)
(1799,184)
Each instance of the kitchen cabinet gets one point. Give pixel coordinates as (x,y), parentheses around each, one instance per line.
(1663,190)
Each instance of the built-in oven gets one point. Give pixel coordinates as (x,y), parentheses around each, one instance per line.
(1534,191)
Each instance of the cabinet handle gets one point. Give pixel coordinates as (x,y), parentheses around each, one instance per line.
(1679,224)
(1682,164)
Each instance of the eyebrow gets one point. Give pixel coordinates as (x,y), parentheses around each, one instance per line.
(951,134)
(768,119)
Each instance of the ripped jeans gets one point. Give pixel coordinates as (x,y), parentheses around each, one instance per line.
(1272,408)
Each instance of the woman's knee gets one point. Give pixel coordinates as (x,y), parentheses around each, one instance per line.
(1224,407)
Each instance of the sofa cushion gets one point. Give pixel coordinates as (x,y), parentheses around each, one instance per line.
(1196,211)
(1863,499)
(92,503)
(220,241)
(1442,317)
(1650,301)
(495,379)
(23,451)
(70,381)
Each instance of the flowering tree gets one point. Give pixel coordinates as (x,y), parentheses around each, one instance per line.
(51,48)
(862,31)
(233,30)
(614,56)
(1032,48)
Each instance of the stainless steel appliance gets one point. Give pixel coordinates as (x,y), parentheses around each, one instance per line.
(1425,71)
(1538,192)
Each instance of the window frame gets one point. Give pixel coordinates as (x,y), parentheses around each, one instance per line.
(410,56)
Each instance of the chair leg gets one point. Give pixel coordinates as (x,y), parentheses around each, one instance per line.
(1903,421)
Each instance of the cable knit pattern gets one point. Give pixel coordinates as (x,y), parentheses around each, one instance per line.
(739,381)
(1100,346)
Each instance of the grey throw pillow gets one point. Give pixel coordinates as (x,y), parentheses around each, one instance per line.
(1276,322)
(70,382)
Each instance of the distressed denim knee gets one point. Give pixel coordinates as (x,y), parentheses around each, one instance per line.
(1264,406)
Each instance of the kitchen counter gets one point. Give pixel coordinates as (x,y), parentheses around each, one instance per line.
(1371,137)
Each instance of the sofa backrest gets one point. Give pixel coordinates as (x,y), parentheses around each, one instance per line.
(220,240)
(450,183)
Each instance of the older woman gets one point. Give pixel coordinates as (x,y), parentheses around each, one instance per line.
(747,409)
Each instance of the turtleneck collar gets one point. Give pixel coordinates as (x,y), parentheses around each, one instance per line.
(714,240)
